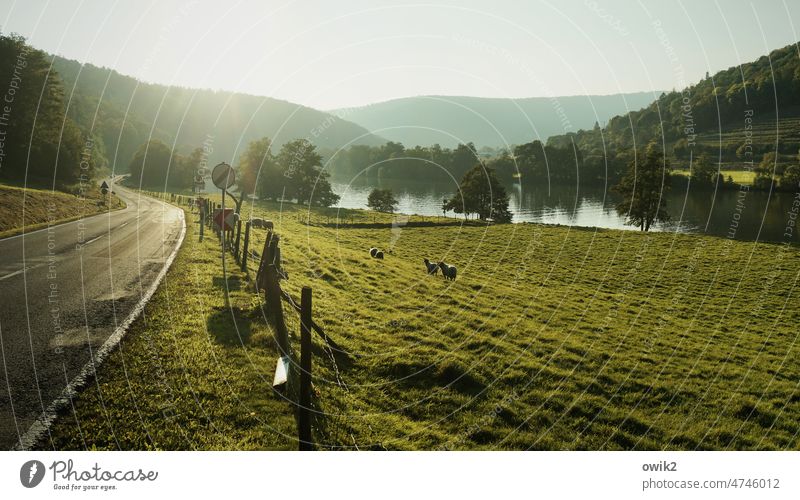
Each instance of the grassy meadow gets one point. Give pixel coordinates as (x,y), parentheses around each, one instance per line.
(741,177)
(551,338)
(29,209)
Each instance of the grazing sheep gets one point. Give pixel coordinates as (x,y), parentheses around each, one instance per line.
(448,271)
(373,251)
(257,223)
(379,255)
(432,267)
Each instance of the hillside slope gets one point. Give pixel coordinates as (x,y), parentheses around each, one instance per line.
(129,112)
(550,338)
(450,120)
(738,115)
(28,209)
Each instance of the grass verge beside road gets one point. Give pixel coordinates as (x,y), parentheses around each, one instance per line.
(29,209)
(191,373)
(550,338)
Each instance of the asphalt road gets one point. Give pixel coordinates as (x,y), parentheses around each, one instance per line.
(63,292)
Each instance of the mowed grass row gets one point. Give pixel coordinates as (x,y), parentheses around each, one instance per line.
(550,338)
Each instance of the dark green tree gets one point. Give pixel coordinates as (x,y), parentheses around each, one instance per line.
(790,180)
(306,181)
(39,141)
(765,170)
(150,165)
(382,200)
(462,159)
(258,172)
(481,193)
(184,169)
(643,189)
(703,172)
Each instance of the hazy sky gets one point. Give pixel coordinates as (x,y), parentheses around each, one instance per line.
(339,53)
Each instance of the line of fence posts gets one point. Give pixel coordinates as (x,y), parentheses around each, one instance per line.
(245,246)
(267,278)
(304,408)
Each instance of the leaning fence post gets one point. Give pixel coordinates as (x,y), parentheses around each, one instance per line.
(304,416)
(273,296)
(245,245)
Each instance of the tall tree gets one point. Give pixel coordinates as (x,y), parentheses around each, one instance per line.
(480,192)
(185,168)
(39,140)
(643,189)
(149,165)
(306,181)
(258,172)
(462,159)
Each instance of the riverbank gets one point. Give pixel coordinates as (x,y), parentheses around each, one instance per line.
(550,338)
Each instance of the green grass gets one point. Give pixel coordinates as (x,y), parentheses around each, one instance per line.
(551,338)
(28,209)
(742,177)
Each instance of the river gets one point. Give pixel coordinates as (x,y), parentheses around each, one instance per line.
(750,215)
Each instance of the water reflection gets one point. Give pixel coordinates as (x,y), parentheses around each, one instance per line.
(758,215)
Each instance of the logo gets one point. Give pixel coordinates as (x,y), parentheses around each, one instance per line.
(31,473)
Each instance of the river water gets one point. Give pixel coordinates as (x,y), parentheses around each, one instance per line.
(761,216)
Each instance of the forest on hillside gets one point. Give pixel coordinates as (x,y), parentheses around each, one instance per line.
(107,117)
(745,118)
(39,142)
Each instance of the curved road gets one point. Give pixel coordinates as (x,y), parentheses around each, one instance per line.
(65,290)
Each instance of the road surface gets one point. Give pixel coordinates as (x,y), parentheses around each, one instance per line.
(65,289)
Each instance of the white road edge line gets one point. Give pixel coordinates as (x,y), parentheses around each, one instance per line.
(14,273)
(23,270)
(92,240)
(42,424)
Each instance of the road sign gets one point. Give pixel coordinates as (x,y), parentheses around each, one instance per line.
(104,188)
(229,219)
(223,176)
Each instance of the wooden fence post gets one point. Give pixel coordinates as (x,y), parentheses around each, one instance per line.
(245,245)
(202,220)
(261,274)
(273,296)
(238,234)
(304,416)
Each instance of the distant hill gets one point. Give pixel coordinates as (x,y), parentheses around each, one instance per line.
(494,122)
(227,120)
(737,115)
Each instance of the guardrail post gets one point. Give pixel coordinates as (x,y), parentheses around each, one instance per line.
(245,246)
(304,416)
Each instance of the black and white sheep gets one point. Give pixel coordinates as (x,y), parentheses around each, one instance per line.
(449,272)
(373,251)
(432,267)
(379,254)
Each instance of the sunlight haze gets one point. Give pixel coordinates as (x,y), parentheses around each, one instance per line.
(349,53)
